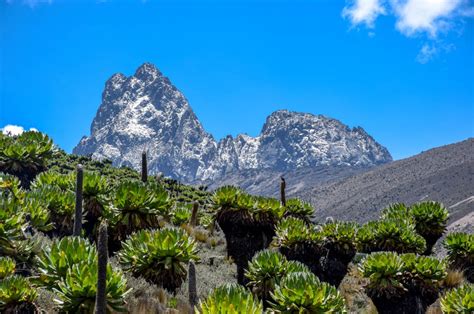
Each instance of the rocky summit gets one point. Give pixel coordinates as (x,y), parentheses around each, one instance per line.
(146,112)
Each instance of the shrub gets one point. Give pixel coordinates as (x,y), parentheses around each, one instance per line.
(13,241)
(38,213)
(136,206)
(65,182)
(180,215)
(459,300)
(339,244)
(390,235)
(17,295)
(304,293)
(299,209)
(160,256)
(10,186)
(77,290)
(7,267)
(430,221)
(25,155)
(401,283)
(61,205)
(460,247)
(54,261)
(264,271)
(248,223)
(230,298)
(95,191)
(384,271)
(300,241)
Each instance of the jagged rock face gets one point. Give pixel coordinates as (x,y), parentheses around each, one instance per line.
(146,112)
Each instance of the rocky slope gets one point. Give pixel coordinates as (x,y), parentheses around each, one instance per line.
(147,112)
(444,174)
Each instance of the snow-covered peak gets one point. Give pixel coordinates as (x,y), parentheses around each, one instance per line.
(146,111)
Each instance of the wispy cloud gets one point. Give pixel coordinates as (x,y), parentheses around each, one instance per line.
(427,19)
(363,12)
(31,3)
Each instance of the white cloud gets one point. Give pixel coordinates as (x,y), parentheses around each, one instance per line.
(428,19)
(363,12)
(14,130)
(428,16)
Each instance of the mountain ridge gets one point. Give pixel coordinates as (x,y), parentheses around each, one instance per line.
(146,112)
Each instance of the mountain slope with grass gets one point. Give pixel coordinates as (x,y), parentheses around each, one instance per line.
(444,174)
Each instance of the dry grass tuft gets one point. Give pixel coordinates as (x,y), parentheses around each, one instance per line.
(454,279)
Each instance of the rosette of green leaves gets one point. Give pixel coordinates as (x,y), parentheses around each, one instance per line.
(385,273)
(340,237)
(230,299)
(298,208)
(226,197)
(459,300)
(7,267)
(136,206)
(16,290)
(54,262)
(160,256)
(65,182)
(293,231)
(10,186)
(77,290)
(304,293)
(181,214)
(425,273)
(460,247)
(390,235)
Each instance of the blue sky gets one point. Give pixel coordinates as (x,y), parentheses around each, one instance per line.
(402,69)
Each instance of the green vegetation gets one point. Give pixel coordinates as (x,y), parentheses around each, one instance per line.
(7,267)
(160,256)
(459,300)
(77,290)
(299,209)
(304,293)
(248,223)
(26,155)
(266,269)
(285,262)
(429,219)
(17,295)
(230,299)
(402,282)
(460,247)
(390,235)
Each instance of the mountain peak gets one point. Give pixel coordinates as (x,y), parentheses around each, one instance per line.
(146,71)
(146,111)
